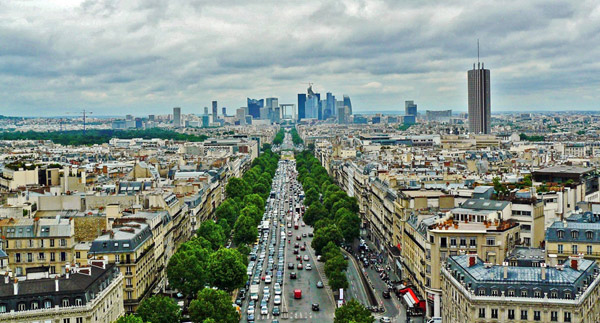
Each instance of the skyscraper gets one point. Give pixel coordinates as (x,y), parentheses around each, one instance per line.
(301,106)
(214,111)
(205,111)
(272,103)
(254,107)
(224,111)
(177,117)
(348,104)
(479,99)
(410,108)
(329,106)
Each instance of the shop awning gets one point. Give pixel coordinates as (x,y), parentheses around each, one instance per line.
(410,298)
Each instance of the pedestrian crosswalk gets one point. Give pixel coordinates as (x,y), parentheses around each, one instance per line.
(289,316)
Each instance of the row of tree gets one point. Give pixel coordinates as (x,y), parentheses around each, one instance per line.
(202,269)
(332,214)
(98,136)
(278,140)
(295,137)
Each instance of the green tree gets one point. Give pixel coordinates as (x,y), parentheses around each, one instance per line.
(314,213)
(311,196)
(337,280)
(213,304)
(256,200)
(349,225)
(225,227)
(159,308)
(186,269)
(353,311)
(227,269)
(244,230)
(131,318)
(330,251)
(324,235)
(335,263)
(498,186)
(237,187)
(212,232)
(228,210)
(253,212)
(324,222)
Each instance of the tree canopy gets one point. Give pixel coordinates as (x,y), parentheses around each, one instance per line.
(213,304)
(353,311)
(169,310)
(212,232)
(227,269)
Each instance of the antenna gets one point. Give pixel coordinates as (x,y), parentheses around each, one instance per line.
(477,51)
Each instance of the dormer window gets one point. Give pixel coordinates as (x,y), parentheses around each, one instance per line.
(560,234)
(574,234)
(589,235)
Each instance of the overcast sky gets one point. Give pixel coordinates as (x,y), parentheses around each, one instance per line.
(146,56)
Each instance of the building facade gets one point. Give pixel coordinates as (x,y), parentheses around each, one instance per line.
(479,97)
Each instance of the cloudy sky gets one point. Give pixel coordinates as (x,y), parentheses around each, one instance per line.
(146,56)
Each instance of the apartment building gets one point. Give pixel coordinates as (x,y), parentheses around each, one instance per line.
(485,292)
(31,243)
(86,294)
(130,246)
(579,233)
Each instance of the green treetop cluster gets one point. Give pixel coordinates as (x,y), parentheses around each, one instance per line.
(331,213)
(278,140)
(99,136)
(295,137)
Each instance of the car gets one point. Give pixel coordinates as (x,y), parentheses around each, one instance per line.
(319,258)
(308,267)
(296,245)
(320,284)
(267,279)
(290,265)
(345,257)
(250,310)
(298,257)
(298,238)
(277,300)
(262,278)
(251,317)
(263,303)
(299,266)
(296,251)
(276,311)
(310,234)
(303,248)
(386,294)
(238,302)
(304,234)
(385,319)
(292,275)
(302,224)
(315,307)
(264,310)
(305,258)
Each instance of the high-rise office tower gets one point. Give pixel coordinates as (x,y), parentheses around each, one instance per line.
(329,106)
(479,99)
(224,111)
(410,108)
(205,111)
(272,103)
(177,117)
(348,104)
(301,106)
(151,117)
(214,111)
(254,107)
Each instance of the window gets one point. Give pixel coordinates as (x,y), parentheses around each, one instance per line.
(491,241)
(568,295)
(79,320)
(472,242)
(554,316)
(560,248)
(524,314)
(574,247)
(567,316)
(589,235)
(65,302)
(17,257)
(34,305)
(482,313)
(537,315)
(511,293)
(63,256)
(494,292)
(63,242)
(42,243)
(494,313)
(574,234)
(51,242)
(29,257)
(553,294)
(481,292)
(66,320)
(453,242)
(588,250)
(30,243)
(560,234)
(524,293)
(21,307)
(77,254)
(78,302)
(443,242)
(41,256)
(463,242)
(511,314)
(47,303)
(129,295)
(52,258)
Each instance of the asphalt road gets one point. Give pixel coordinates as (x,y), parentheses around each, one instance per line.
(292,310)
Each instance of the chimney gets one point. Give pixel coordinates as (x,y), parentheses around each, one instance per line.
(574,262)
(543,265)
(505,267)
(56,289)
(472,259)
(6,278)
(67,270)
(16,286)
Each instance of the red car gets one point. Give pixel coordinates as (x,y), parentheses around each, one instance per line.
(303,248)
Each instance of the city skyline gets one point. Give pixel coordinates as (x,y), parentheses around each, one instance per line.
(143,59)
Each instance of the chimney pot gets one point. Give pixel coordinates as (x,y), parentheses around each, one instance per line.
(56,289)
(505,265)
(543,265)
(16,286)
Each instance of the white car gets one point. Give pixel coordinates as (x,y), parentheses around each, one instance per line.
(305,258)
(264,310)
(277,289)
(277,300)
(250,310)
(308,267)
(267,279)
